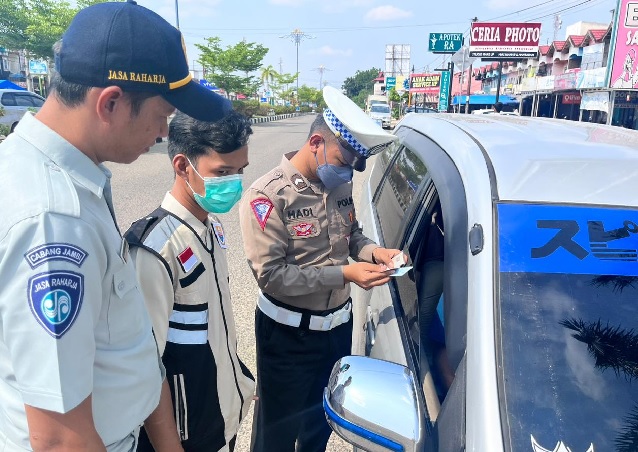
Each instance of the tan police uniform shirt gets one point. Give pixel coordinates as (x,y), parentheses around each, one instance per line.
(298,236)
(207,282)
(72,319)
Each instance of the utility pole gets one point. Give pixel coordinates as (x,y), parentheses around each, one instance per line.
(176,14)
(469,80)
(558,23)
(296,36)
(281,67)
(321,69)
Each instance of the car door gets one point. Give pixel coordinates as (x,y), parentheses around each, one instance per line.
(409,320)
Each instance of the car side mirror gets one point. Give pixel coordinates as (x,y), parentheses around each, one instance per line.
(375,405)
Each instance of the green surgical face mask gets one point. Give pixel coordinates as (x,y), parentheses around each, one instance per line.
(221,193)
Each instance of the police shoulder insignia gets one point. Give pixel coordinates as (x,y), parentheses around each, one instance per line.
(262,207)
(55,299)
(218,229)
(55,252)
(299,181)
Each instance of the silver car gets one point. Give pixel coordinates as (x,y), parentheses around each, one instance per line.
(15,104)
(517,327)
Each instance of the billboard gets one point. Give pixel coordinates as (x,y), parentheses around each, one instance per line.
(510,41)
(425,83)
(624,67)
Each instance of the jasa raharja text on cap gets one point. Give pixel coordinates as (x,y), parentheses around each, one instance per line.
(127,45)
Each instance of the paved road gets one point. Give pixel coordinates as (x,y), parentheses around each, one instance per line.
(140,187)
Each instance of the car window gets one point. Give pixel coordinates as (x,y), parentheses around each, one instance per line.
(37,102)
(568,286)
(380,109)
(8,100)
(23,100)
(381,163)
(397,193)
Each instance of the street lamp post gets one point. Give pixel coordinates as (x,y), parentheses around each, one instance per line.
(177,14)
(297,36)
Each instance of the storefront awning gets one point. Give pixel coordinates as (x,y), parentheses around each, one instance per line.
(484,99)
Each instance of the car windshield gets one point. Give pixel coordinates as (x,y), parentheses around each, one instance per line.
(380,109)
(568,288)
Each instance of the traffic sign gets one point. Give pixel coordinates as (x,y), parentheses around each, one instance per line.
(390,82)
(445,42)
(462,60)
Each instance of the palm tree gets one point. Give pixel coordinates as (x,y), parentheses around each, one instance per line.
(268,75)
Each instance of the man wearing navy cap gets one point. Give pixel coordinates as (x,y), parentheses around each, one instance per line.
(79,367)
(299,228)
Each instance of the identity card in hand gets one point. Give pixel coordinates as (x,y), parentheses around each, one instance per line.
(401,271)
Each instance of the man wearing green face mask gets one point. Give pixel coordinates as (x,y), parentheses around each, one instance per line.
(180,255)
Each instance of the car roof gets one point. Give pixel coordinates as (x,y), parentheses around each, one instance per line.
(541,159)
(21,91)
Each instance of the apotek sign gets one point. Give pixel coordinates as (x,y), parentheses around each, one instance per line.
(445,42)
(510,41)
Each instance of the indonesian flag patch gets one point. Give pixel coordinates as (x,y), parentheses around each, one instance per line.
(187,259)
(262,208)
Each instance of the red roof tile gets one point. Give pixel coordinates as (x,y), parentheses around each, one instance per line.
(543,49)
(598,35)
(559,45)
(576,40)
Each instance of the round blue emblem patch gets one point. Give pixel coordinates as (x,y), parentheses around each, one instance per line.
(55,299)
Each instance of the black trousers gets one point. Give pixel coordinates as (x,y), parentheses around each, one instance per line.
(293,368)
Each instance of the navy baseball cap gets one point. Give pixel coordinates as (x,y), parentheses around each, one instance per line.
(129,46)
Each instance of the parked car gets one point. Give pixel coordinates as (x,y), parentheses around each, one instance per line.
(15,104)
(490,111)
(517,327)
(419,109)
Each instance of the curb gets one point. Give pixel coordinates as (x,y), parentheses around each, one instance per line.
(274,117)
(259,120)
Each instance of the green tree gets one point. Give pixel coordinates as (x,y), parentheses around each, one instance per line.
(35,25)
(360,85)
(224,66)
(309,94)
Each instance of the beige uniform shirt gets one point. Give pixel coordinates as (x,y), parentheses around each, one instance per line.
(298,236)
(170,239)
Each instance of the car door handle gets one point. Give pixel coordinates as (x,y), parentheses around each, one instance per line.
(371,326)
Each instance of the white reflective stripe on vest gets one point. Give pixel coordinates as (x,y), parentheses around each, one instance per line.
(186,337)
(190,318)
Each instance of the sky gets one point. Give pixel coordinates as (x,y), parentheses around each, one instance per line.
(344,36)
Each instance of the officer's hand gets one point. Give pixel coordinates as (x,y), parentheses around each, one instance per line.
(385,255)
(366,275)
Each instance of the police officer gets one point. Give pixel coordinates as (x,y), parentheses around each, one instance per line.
(180,255)
(79,368)
(299,228)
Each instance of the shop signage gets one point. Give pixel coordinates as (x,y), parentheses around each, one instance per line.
(425,83)
(443,92)
(509,41)
(571,99)
(38,67)
(545,84)
(592,78)
(445,42)
(624,66)
(390,82)
(598,100)
(569,80)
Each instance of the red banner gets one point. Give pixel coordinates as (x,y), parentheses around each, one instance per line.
(571,99)
(425,83)
(504,40)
